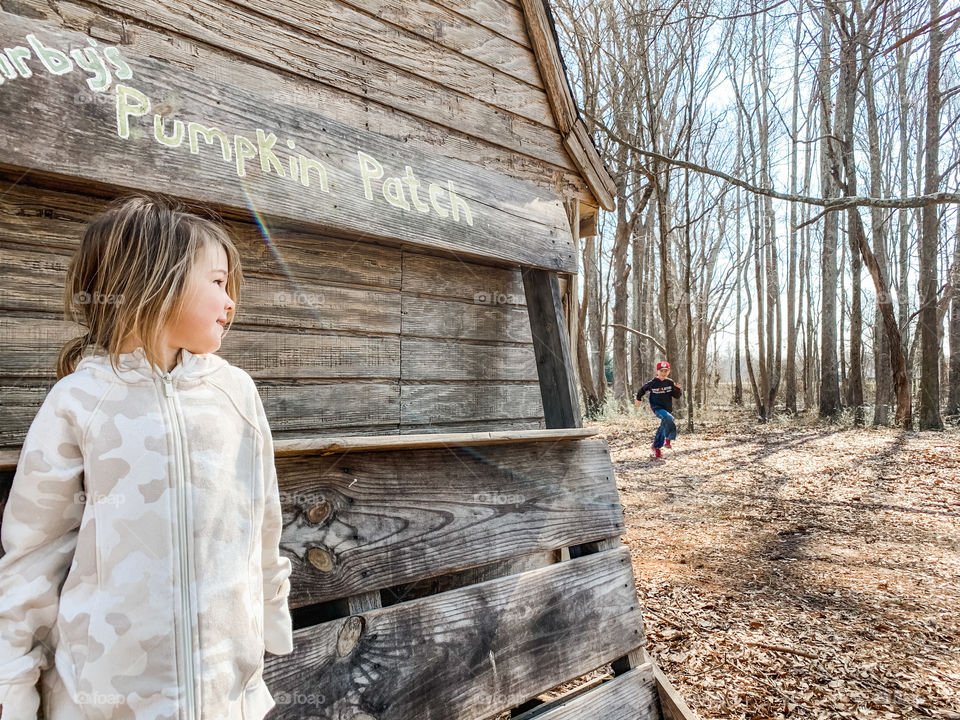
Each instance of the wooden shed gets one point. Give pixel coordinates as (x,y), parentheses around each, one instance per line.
(407,182)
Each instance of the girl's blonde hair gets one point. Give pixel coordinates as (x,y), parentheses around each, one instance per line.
(129,275)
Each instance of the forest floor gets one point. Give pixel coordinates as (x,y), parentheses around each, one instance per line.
(796,570)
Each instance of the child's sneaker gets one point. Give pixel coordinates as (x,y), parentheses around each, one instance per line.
(656,453)
(666,444)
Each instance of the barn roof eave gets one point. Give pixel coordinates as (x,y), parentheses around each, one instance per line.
(576,139)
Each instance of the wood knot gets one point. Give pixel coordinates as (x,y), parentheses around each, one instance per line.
(350,635)
(321,559)
(319,512)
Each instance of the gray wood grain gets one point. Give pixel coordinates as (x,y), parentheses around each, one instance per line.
(464,654)
(512,221)
(390,46)
(393,518)
(632,696)
(498,41)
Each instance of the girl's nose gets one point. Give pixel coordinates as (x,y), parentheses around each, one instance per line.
(230,304)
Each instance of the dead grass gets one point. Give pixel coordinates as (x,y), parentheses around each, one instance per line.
(798,570)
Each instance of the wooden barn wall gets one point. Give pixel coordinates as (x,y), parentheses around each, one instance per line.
(342,337)
(457,77)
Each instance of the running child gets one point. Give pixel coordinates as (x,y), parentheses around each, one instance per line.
(142,576)
(662,392)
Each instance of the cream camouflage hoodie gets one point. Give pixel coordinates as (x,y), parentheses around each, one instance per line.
(142,571)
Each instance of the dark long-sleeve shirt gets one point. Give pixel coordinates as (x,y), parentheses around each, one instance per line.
(661,392)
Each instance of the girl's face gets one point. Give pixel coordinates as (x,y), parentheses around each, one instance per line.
(206,305)
(662,373)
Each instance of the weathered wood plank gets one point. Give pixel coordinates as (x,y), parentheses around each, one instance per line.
(457,360)
(581,148)
(511,425)
(316,408)
(286,357)
(364,603)
(561,404)
(357,522)
(459,34)
(672,704)
(433,404)
(345,28)
(297,91)
(459,320)
(457,278)
(50,223)
(236,30)
(465,654)
(328,409)
(472,211)
(632,696)
(302,257)
(302,446)
(296,303)
(501,16)
(325,445)
(31,345)
(32,280)
(541,37)
(470,576)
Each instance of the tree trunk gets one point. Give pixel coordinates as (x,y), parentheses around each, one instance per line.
(927,324)
(894,346)
(592,291)
(790,390)
(903,245)
(846,98)
(829,382)
(666,299)
(953,395)
(621,273)
(592,401)
(883,371)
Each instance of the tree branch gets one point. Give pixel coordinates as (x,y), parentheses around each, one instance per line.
(829,204)
(637,332)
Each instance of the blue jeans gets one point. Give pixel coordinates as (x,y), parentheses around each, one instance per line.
(667,429)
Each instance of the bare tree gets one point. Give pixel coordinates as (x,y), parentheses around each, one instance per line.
(927,288)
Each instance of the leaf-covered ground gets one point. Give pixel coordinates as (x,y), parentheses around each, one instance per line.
(792,571)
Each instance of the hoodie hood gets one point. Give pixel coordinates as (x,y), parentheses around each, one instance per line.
(133,367)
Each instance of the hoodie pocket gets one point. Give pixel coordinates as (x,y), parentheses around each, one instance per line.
(79,605)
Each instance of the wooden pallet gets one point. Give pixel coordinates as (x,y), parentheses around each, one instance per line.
(460,580)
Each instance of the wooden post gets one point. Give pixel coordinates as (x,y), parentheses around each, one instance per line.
(573,215)
(561,408)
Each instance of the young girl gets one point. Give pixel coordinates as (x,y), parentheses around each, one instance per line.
(142,571)
(662,392)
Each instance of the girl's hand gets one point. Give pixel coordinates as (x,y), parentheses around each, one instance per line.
(637,403)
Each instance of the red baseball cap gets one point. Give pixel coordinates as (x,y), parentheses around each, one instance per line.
(663,365)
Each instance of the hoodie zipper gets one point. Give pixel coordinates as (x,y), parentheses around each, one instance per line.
(186,624)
